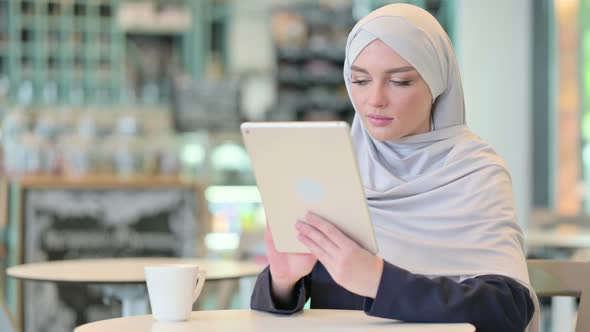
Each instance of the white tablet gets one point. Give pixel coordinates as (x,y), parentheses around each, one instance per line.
(308,166)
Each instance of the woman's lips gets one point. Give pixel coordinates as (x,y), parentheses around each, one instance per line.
(378,120)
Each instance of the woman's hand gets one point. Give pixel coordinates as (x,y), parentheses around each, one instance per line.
(351,266)
(286,269)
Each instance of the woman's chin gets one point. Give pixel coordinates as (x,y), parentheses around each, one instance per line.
(382,134)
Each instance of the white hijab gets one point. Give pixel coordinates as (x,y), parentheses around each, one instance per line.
(441,202)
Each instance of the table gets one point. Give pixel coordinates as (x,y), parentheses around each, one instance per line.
(254,321)
(125,271)
(550,238)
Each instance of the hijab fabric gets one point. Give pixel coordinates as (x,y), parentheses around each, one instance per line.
(441,202)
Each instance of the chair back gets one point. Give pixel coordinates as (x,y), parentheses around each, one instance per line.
(6,323)
(563,278)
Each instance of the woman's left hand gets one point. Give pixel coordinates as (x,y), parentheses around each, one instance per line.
(351,266)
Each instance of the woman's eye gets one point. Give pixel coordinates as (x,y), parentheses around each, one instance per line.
(401,83)
(360,82)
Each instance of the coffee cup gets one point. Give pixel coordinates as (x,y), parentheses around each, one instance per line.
(173,289)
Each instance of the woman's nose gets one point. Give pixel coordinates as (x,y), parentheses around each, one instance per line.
(378,97)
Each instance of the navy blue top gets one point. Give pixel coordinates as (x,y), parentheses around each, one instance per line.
(490,302)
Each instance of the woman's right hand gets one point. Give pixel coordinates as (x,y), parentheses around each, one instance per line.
(286,268)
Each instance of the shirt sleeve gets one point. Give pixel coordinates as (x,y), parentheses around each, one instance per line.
(263,300)
(489,302)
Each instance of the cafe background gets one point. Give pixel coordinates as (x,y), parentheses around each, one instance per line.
(120,125)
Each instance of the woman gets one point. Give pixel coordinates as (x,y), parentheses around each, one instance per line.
(440,198)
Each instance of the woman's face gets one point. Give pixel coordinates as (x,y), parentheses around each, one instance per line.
(390,97)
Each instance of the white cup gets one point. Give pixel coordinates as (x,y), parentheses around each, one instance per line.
(173,289)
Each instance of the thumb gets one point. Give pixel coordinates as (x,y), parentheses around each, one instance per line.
(268,238)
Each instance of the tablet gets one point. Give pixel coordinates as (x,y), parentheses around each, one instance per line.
(308,166)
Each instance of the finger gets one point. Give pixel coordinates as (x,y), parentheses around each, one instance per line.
(317,236)
(328,229)
(315,249)
(268,239)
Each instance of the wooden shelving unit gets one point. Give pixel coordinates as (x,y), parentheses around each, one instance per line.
(77,52)
(61,51)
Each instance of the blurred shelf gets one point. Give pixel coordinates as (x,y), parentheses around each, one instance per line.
(148,18)
(306,79)
(28,48)
(101,181)
(298,54)
(58,40)
(78,34)
(309,73)
(155,31)
(26,22)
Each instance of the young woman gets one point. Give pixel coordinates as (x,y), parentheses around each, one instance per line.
(440,198)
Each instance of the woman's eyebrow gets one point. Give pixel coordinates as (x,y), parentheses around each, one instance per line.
(388,71)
